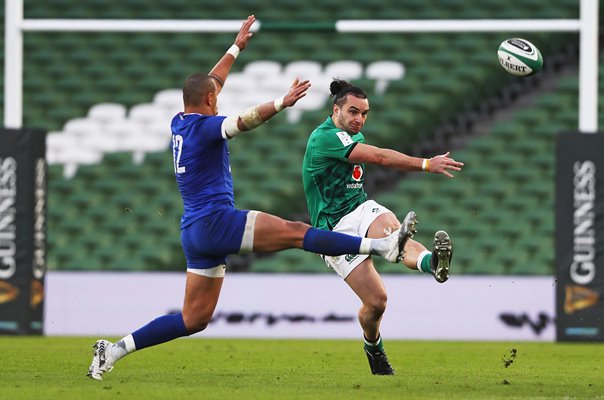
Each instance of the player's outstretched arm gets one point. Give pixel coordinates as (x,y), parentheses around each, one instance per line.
(367,154)
(441,164)
(257,115)
(223,66)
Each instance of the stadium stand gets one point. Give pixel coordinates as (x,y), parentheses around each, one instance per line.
(107,98)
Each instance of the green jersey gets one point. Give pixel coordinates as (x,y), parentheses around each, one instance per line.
(333,186)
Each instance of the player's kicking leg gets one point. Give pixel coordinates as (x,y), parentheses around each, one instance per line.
(436,262)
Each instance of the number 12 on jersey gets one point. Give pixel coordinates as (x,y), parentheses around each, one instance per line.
(177,141)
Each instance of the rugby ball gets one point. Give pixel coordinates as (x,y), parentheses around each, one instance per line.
(519,57)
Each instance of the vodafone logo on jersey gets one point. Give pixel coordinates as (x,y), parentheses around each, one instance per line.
(357,172)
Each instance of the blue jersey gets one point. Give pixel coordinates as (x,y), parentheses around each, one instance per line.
(201,165)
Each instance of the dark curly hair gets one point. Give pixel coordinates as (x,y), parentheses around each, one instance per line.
(340,88)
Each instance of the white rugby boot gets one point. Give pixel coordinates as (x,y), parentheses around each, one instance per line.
(399,238)
(102,361)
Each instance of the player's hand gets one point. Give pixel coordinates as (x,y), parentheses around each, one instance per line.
(244,32)
(443,163)
(296,92)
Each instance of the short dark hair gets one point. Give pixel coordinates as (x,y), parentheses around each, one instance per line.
(196,87)
(340,88)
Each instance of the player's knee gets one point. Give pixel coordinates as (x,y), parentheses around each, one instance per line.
(377,304)
(197,326)
(196,322)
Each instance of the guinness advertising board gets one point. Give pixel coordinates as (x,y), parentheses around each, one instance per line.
(580,237)
(22,230)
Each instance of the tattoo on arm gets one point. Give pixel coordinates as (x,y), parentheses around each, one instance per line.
(218,79)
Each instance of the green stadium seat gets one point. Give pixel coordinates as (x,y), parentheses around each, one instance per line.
(443,84)
(539,189)
(528,146)
(480,264)
(510,130)
(520,175)
(542,161)
(476,204)
(505,160)
(568,85)
(483,145)
(530,268)
(519,204)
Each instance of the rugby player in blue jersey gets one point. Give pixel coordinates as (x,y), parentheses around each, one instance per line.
(211,226)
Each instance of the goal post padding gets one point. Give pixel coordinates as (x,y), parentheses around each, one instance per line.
(22,230)
(579,237)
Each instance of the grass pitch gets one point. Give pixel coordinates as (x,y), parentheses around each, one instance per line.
(55,368)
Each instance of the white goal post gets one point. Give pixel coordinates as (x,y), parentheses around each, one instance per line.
(586,25)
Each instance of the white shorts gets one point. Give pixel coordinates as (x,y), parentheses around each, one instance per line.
(355,223)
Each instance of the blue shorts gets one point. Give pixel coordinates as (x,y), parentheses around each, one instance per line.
(208,240)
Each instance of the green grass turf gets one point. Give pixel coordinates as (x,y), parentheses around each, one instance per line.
(55,368)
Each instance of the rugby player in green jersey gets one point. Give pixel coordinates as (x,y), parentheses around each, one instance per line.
(333,176)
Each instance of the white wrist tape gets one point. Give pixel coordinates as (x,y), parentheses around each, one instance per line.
(279,103)
(233,50)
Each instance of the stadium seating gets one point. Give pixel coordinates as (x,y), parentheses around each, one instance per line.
(113,202)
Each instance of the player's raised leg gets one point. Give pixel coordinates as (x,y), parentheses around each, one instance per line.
(272,234)
(416,256)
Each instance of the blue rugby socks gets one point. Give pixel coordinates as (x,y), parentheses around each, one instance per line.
(331,243)
(160,330)
(335,244)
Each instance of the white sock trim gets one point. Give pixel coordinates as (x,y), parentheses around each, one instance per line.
(374,344)
(129,342)
(366,245)
(420,258)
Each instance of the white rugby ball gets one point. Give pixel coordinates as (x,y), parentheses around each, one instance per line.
(520,57)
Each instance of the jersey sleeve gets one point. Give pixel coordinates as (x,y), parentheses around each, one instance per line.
(212,129)
(338,146)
